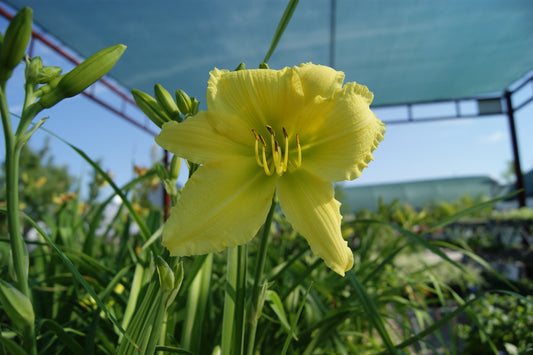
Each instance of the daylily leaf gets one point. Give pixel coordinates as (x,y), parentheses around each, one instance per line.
(17,306)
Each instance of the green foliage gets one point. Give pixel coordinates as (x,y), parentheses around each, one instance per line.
(503,320)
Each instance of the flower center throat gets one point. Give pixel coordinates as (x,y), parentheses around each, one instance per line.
(275,158)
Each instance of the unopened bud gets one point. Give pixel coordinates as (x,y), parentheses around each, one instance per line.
(263,66)
(37,74)
(166,276)
(15,42)
(184,102)
(83,75)
(166,101)
(241,66)
(175,166)
(195,105)
(150,107)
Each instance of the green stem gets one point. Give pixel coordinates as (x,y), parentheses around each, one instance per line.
(234,302)
(260,265)
(18,247)
(240,304)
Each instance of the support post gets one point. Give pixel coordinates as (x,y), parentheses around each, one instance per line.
(514,141)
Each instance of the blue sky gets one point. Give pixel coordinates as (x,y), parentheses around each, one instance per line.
(443,149)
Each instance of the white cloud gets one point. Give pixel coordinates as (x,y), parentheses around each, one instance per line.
(493,137)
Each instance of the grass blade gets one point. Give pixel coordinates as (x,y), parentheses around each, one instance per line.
(415,238)
(372,311)
(75,273)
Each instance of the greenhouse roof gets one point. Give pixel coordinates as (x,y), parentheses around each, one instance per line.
(406,51)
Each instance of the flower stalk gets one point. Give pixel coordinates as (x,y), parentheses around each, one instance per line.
(18,247)
(256,304)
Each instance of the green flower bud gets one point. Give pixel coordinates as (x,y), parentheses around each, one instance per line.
(263,66)
(47,74)
(184,102)
(17,306)
(36,74)
(32,68)
(84,75)
(166,276)
(241,66)
(195,105)
(166,101)
(15,42)
(178,280)
(150,107)
(175,166)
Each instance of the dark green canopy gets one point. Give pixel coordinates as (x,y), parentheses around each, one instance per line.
(406,51)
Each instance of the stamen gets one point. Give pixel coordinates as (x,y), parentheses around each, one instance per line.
(257,148)
(265,164)
(280,157)
(299,162)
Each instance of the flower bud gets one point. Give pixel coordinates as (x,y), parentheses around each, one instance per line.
(166,102)
(150,107)
(175,166)
(15,42)
(36,74)
(166,276)
(83,75)
(241,66)
(195,105)
(184,102)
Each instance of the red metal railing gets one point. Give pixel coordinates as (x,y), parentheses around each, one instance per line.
(125,98)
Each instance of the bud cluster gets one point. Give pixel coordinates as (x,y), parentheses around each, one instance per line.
(163,108)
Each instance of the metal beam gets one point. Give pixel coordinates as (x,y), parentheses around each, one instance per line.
(516,156)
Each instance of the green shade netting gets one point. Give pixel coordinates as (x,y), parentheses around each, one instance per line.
(406,51)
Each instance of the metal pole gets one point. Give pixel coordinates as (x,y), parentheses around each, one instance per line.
(167,202)
(514,141)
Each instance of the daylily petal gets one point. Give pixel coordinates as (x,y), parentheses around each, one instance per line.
(256,98)
(309,205)
(222,205)
(342,133)
(319,80)
(196,140)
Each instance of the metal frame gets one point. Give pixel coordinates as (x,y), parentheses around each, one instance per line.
(509,110)
(125,99)
(506,97)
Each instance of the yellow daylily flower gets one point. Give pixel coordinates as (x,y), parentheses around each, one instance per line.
(293,131)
